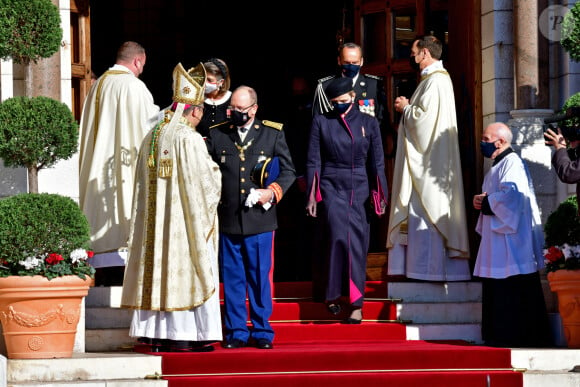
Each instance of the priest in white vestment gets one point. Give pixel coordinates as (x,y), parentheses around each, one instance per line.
(118,112)
(510,253)
(171,278)
(427,235)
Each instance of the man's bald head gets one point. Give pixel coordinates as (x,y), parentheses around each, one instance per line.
(499,134)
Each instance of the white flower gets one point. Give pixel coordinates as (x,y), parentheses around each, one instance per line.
(570,251)
(30,262)
(78,255)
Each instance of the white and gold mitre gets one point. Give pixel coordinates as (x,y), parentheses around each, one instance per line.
(188,86)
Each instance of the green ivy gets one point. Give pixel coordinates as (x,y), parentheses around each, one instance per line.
(36,225)
(29,30)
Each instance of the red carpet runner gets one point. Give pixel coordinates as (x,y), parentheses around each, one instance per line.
(312,348)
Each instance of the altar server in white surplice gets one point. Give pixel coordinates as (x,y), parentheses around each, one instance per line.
(171,278)
(427,235)
(118,112)
(511,248)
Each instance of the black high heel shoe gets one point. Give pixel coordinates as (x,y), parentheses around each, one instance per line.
(334,308)
(351,320)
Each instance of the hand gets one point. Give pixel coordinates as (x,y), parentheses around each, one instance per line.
(478,200)
(311,208)
(555,139)
(400,103)
(265,196)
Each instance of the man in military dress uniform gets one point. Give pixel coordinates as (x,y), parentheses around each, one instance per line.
(247,216)
(370,95)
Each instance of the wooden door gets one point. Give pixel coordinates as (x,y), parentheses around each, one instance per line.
(82,74)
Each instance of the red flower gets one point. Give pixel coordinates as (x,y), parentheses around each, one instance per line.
(53,259)
(554,254)
(90,253)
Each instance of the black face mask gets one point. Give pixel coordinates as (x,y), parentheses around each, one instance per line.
(340,108)
(414,65)
(350,70)
(239,118)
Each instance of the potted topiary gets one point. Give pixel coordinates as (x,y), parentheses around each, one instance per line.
(44,273)
(44,238)
(35,133)
(29,30)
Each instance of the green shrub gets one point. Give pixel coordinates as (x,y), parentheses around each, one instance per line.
(574,100)
(563,225)
(571,32)
(29,30)
(36,133)
(34,227)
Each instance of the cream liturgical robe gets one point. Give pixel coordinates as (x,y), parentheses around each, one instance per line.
(117,114)
(427,224)
(172,264)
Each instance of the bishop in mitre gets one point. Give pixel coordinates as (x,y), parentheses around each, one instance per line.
(171,278)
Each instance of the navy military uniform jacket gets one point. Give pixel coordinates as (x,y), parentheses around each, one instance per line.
(236,160)
(370,96)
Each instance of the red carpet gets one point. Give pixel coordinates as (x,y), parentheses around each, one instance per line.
(313,349)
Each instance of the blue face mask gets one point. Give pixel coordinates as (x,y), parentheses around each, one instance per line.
(350,70)
(487,148)
(340,108)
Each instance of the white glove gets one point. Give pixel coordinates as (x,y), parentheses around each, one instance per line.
(252,198)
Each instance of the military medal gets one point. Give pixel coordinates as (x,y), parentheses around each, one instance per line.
(241,149)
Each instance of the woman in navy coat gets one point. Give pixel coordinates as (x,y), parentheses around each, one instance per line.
(346,184)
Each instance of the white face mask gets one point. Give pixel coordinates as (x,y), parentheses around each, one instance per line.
(210,87)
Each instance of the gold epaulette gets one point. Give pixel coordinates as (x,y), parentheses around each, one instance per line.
(322,80)
(275,125)
(374,77)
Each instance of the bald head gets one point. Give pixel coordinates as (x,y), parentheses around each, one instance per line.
(498,130)
(499,134)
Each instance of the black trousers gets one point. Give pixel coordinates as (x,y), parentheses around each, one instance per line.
(514,312)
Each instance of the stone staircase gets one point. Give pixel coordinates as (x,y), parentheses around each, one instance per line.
(431,311)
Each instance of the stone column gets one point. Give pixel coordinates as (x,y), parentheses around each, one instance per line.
(530,56)
(531,89)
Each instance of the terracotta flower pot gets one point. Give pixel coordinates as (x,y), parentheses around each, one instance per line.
(39,317)
(566,284)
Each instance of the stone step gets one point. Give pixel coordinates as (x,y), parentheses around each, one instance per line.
(551,379)
(108,340)
(467,332)
(98,369)
(96,383)
(441,312)
(411,292)
(548,367)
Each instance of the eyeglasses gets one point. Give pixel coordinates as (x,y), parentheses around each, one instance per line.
(241,110)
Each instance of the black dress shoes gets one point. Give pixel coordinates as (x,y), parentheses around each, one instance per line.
(264,344)
(234,343)
(351,320)
(189,346)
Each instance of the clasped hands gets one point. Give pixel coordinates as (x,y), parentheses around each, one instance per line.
(400,103)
